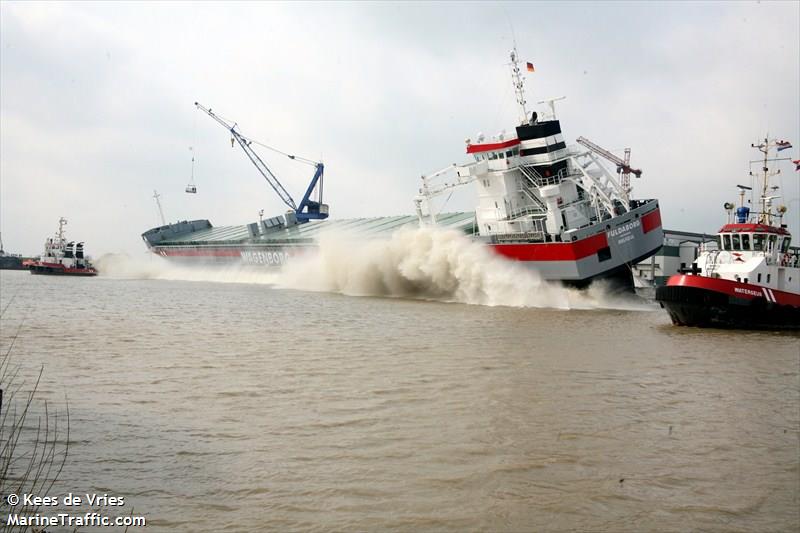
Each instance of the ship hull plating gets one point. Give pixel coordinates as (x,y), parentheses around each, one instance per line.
(605,249)
(60,270)
(708,302)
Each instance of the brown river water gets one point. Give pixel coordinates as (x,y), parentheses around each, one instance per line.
(222,402)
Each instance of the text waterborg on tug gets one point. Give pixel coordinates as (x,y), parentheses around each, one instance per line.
(752,278)
(553,207)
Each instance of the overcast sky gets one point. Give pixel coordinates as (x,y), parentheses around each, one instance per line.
(96,103)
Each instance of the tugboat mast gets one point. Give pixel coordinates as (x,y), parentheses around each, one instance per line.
(60,235)
(765,217)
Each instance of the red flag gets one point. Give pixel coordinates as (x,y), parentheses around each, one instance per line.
(530,67)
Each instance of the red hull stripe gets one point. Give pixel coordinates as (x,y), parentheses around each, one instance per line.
(651,221)
(745,291)
(750,228)
(553,251)
(476,148)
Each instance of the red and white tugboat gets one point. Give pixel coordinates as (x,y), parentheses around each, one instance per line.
(62,258)
(752,279)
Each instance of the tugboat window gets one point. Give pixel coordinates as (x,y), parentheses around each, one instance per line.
(758,242)
(726,242)
(736,244)
(745,242)
(772,240)
(785,247)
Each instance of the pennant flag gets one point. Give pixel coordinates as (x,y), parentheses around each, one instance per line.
(783,145)
(530,67)
(797,164)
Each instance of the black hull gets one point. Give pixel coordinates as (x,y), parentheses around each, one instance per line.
(11,263)
(692,306)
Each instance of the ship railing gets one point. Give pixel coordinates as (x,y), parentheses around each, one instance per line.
(521,236)
(539,181)
(531,194)
(712,263)
(527,210)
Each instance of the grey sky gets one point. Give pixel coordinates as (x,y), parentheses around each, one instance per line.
(96,103)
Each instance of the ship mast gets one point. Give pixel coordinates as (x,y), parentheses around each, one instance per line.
(158,203)
(60,235)
(765,217)
(519,85)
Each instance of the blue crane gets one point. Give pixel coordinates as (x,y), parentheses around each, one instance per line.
(307,209)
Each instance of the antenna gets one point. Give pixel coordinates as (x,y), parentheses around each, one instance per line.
(552,103)
(158,203)
(766,202)
(519,84)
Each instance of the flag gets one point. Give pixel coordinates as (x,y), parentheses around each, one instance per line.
(797,164)
(783,145)
(530,66)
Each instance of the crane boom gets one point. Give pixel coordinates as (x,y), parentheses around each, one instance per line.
(263,169)
(308,209)
(623,165)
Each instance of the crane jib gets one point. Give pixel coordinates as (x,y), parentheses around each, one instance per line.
(307,209)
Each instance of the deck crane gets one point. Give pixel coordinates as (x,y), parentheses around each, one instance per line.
(307,209)
(623,165)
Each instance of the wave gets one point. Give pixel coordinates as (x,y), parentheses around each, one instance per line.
(421,263)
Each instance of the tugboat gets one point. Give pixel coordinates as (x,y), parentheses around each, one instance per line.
(61,257)
(751,280)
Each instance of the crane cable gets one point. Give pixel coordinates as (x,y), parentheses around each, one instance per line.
(253,141)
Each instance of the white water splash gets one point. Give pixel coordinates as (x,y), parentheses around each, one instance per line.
(123,266)
(425,263)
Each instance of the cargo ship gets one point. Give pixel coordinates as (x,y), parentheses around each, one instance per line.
(553,207)
(10,261)
(751,278)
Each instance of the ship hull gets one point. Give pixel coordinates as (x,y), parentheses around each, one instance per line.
(11,263)
(700,301)
(606,249)
(53,269)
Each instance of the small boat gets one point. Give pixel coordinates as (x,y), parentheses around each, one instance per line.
(61,257)
(751,279)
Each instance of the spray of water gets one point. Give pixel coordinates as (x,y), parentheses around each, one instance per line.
(424,263)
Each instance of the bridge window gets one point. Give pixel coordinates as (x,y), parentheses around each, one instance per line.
(726,242)
(509,153)
(736,244)
(773,239)
(758,242)
(745,241)
(492,156)
(785,245)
